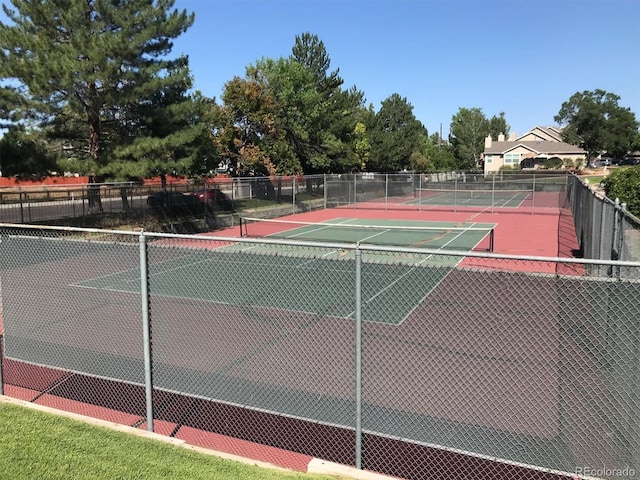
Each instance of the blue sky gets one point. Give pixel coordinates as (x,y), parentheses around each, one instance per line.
(520,57)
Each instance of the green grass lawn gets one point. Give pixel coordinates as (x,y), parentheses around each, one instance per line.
(41,445)
(593,179)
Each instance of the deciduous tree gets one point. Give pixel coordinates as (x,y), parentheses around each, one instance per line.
(594,121)
(245,118)
(24,154)
(440,154)
(469,127)
(395,135)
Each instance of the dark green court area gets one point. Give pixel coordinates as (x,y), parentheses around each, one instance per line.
(465,236)
(293,277)
(471,198)
(290,283)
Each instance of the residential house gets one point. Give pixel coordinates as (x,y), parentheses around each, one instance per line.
(530,150)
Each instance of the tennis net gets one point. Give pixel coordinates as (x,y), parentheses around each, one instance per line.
(505,197)
(460,236)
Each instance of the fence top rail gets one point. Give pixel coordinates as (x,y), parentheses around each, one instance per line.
(334,245)
(66,186)
(56,228)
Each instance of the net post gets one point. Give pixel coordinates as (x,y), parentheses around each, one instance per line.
(491,239)
(533,195)
(493,194)
(240,222)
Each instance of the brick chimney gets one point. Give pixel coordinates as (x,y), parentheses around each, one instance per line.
(512,136)
(487,142)
(501,137)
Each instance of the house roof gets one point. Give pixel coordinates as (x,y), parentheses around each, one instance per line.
(539,147)
(552,132)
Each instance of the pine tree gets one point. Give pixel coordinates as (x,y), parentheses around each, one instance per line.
(87,70)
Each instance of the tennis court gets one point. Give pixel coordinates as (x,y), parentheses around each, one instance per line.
(472,198)
(449,358)
(388,297)
(465,236)
(398,282)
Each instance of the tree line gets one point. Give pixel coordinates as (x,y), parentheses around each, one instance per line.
(91,87)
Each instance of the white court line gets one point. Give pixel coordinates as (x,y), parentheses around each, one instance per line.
(126,271)
(204,300)
(323,227)
(374,235)
(180,267)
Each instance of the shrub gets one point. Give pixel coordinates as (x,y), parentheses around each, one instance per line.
(552,163)
(624,184)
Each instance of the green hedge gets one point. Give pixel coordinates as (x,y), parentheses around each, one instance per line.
(624,184)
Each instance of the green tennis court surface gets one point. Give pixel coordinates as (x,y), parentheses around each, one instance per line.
(389,293)
(472,198)
(464,236)
(293,278)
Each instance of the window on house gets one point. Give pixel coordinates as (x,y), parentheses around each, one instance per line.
(488,158)
(512,159)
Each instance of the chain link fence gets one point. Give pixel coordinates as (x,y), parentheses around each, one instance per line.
(411,362)
(528,191)
(191,206)
(605,229)
(179,206)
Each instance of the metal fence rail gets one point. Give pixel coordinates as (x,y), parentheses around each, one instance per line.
(416,363)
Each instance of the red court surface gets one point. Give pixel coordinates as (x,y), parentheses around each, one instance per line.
(549,233)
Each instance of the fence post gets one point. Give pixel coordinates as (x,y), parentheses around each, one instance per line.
(596,229)
(1,362)
(146,331)
(1,343)
(355,191)
(358,341)
(293,194)
(21,208)
(616,224)
(324,187)
(493,192)
(455,194)
(620,239)
(419,193)
(602,254)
